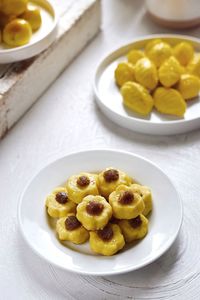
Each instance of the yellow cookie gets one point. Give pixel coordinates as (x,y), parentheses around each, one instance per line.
(137,98)
(134,55)
(159,53)
(17,32)
(107,241)
(70,229)
(170,72)
(152,43)
(194,66)
(169,101)
(184,53)
(134,229)
(94,212)
(81,185)
(123,73)
(188,86)
(4,19)
(145,193)
(126,204)
(146,73)
(13,7)
(33,16)
(110,178)
(58,203)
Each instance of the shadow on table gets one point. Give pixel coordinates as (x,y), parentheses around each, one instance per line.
(186,139)
(44,275)
(150,282)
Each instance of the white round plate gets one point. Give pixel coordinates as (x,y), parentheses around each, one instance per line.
(109,99)
(40,40)
(164,222)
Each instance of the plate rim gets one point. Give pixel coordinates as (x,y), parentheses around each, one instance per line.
(128,118)
(105,273)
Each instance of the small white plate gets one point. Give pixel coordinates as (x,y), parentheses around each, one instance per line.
(40,40)
(109,99)
(164,222)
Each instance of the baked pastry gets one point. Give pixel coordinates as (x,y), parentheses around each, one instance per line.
(145,193)
(70,229)
(33,16)
(94,212)
(146,73)
(13,7)
(184,52)
(19,37)
(58,203)
(106,222)
(81,185)
(194,65)
(152,43)
(169,101)
(137,98)
(134,229)
(123,73)
(170,72)
(134,55)
(110,178)
(108,240)
(188,86)
(159,52)
(125,203)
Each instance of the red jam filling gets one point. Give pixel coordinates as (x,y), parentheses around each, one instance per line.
(94,208)
(83,181)
(61,197)
(111,175)
(136,222)
(126,197)
(106,233)
(72,223)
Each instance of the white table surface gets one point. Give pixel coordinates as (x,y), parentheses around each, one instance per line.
(67,119)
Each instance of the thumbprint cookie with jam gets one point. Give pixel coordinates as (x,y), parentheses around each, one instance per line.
(110,178)
(70,229)
(81,185)
(94,212)
(58,203)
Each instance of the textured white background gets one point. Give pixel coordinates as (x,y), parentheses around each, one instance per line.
(67,119)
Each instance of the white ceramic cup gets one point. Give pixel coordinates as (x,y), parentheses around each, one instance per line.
(175,13)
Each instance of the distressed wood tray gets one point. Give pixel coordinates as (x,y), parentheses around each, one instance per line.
(22,83)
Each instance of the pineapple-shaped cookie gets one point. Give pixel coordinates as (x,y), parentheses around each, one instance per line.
(169,101)
(146,73)
(137,98)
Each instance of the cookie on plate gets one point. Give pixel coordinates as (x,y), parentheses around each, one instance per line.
(94,212)
(58,203)
(110,178)
(107,241)
(81,185)
(70,229)
(125,203)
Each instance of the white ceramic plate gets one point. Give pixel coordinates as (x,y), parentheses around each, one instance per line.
(38,233)
(40,40)
(110,101)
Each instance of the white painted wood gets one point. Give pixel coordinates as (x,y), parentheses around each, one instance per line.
(80,21)
(67,119)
